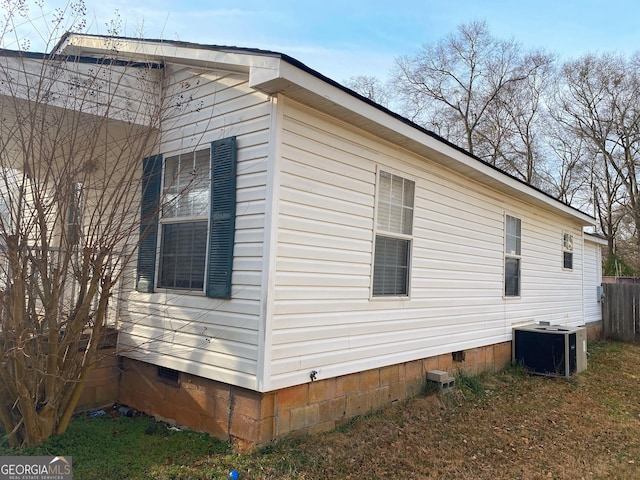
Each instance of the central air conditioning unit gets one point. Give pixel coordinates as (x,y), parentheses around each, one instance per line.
(550,350)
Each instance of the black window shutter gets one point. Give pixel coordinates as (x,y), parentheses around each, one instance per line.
(151,185)
(222,218)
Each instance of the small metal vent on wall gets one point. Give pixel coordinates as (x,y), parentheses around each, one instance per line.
(169,376)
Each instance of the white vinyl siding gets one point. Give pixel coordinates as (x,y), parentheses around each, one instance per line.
(125,93)
(322,317)
(185,331)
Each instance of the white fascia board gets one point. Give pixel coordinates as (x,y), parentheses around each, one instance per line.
(146,51)
(289,79)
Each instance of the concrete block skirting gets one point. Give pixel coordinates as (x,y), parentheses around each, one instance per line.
(249,418)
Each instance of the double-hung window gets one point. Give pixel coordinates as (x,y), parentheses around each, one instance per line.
(394,230)
(188,221)
(184,220)
(512,253)
(567,251)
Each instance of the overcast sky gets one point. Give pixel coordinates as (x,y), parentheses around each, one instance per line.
(362,37)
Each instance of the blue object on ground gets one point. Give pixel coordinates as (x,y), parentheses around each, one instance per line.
(233,475)
(97,413)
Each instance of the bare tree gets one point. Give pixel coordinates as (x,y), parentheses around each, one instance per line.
(370,87)
(569,169)
(456,87)
(73,132)
(518,121)
(599,103)
(573,132)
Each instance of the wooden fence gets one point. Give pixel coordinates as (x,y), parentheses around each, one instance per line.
(621,311)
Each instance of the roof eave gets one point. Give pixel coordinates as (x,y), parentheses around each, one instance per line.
(273,73)
(596,238)
(313,89)
(160,51)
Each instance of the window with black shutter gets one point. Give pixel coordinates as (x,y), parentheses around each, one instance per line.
(191,212)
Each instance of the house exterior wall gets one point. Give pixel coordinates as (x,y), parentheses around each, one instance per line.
(302,270)
(323,317)
(301,298)
(92,87)
(592,280)
(186,331)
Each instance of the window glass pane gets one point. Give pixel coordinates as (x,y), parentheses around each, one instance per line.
(395,204)
(171,167)
(182,256)
(397,190)
(511,277)
(391,266)
(568,242)
(186,185)
(568,260)
(409,189)
(395,218)
(383,215)
(512,236)
(407,220)
(199,188)
(407,212)
(509,246)
(384,203)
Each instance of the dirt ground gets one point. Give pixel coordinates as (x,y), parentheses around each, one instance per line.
(507,425)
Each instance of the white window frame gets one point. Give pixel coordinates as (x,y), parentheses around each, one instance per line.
(381,232)
(567,247)
(512,255)
(165,220)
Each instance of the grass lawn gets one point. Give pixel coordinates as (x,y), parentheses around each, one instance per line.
(506,425)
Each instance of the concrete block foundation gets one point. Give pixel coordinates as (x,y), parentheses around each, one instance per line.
(248,418)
